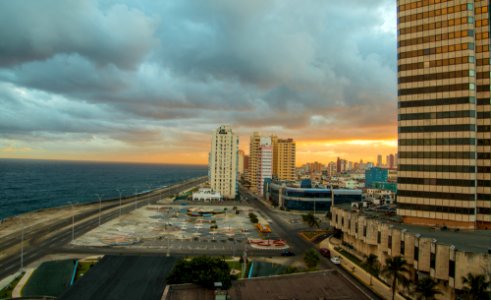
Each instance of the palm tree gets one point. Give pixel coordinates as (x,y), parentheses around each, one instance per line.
(311,220)
(395,268)
(426,289)
(476,286)
(372,265)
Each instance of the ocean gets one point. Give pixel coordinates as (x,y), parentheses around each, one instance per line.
(29,185)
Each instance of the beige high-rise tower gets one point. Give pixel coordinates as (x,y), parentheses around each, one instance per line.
(223,162)
(254,160)
(444,113)
(284,153)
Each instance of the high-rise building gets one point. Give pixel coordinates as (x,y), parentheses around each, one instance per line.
(265,162)
(379,160)
(223,162)
(246,163)
(254,160)
(240,162)
(444,114)
(331,169)
(284,153)
(391,162)
(260,161)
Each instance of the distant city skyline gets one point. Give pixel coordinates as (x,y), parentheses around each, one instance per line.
(76,85)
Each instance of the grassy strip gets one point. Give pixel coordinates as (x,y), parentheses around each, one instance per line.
(311,235)
(83,267)
(357,261)
(350,256)
(6,292)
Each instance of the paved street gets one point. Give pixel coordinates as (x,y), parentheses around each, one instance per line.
(300,245)
(42,240)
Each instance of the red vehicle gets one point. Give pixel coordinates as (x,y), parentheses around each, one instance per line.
(325,252)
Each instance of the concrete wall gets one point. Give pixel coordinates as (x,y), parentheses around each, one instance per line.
(465,262)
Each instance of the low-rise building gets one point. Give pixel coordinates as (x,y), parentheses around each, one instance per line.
(293,197)
(206,195)
(442,254)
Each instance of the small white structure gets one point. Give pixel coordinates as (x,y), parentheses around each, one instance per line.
(206,195)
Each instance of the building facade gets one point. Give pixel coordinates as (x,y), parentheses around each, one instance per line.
(308,198)
(284,158)
(444,152)
(223,161)
(374,175)
(240,162)
(265,162)
(445,256)
(254,160)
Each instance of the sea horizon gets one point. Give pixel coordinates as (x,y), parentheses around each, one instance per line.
(31,184)
(100,161)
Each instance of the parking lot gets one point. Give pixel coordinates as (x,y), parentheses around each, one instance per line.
(171,228)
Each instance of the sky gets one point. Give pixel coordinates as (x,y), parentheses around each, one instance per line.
(149,81)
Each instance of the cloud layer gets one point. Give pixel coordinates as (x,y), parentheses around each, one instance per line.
(156,77)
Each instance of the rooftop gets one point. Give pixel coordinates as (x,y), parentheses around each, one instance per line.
(464,240)
(313,285)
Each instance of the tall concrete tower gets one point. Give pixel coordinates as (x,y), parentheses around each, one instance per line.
(223,162)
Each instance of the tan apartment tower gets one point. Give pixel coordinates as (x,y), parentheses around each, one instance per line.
(284,154)
(444,113)
(254,160)
(260,161)
(223,162)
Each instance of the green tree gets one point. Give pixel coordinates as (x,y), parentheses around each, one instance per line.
(372,265)
(476,287)
(426,289)
(253,218)
(311,220)
(395,268)
(202,270)
(311,258)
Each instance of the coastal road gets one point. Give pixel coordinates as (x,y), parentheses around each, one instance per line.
(299,245)
(44,239)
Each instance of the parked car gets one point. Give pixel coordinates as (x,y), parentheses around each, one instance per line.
(287,253)
(325,252)
(336,260)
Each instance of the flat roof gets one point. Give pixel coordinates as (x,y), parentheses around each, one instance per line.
(327,284)
(478,241)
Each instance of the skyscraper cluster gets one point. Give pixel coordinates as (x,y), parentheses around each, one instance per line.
(270,157)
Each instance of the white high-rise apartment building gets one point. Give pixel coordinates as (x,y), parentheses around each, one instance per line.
(265,162)
(223,162)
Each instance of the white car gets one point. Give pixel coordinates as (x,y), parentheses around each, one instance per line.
(336,260)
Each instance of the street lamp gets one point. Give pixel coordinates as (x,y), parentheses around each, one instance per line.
(149,190)
(22,249)
(136,199)
(100,207)
(119,191)
(73,222)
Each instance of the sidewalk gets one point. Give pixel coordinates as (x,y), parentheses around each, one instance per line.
(16,293)
(377,286)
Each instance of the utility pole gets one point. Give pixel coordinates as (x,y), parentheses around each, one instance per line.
(22,249)
(100,207)
(73,223)
(119,191)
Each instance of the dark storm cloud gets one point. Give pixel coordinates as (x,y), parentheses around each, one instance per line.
(126,70)
(38,30)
